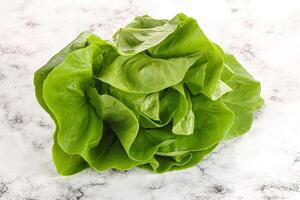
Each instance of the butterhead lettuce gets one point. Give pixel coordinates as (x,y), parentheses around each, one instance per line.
(159,96)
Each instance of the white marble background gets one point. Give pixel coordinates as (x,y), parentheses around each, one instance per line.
(264,164)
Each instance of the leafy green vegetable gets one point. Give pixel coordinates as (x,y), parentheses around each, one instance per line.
(160,96)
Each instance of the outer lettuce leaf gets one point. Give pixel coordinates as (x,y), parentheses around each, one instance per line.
(142,73)
(65,94)
(245,98)
(161,96)
(41,74)
(66,164)
(189,39)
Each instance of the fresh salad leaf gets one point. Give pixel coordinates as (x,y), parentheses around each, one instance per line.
(160,96)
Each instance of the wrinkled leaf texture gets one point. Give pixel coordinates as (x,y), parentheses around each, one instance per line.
(160,96)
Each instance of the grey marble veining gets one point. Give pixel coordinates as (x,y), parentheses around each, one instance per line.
(264,164)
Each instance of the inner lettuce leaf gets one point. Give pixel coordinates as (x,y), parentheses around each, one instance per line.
(159,96)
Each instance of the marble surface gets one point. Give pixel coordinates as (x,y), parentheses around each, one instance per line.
(264,164)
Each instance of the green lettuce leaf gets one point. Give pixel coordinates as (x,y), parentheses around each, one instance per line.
(244,99)
(66,164)
(161,96)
